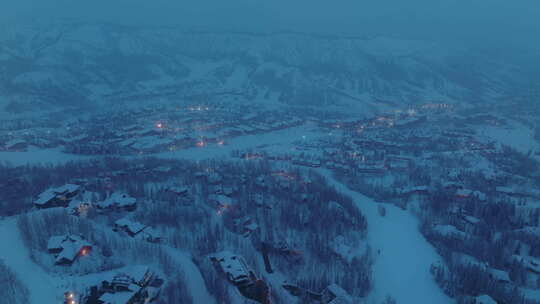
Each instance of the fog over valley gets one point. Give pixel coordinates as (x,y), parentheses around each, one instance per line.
(248,151)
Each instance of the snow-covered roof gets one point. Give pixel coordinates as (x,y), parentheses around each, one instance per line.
(118,199)
(45,197)
(55,242)
(68,188)
(149,234)
(71,246)
(131,226)
(232,264)
(448,230)
(52,193)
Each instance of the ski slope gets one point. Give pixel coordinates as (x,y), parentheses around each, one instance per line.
(194,280)
(44,288)
(401,270)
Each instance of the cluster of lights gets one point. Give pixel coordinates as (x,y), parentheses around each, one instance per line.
(436,106)
(70,298)
(199,108)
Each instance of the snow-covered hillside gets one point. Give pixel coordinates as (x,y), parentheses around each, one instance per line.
(82,64)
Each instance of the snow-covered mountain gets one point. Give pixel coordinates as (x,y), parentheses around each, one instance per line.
(80,64)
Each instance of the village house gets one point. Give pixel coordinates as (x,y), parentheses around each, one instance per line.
(57,197)
(118,201)
(233,266)
(238,273)
(135,285)
(67,248)
(129,227)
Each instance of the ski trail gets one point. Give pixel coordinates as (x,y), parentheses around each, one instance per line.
(401,270)
(17,257)
(194,279)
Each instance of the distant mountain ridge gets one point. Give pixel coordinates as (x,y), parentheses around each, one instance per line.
(63,65)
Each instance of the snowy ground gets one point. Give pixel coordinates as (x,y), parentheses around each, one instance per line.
(402,267)
(43,287)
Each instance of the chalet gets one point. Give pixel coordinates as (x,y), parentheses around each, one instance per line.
(57,197)
(129,227)
(140,286)
(333,294)
(234,267)
(67,248)
(118,201)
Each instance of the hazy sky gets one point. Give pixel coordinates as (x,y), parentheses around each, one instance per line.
(480,21)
